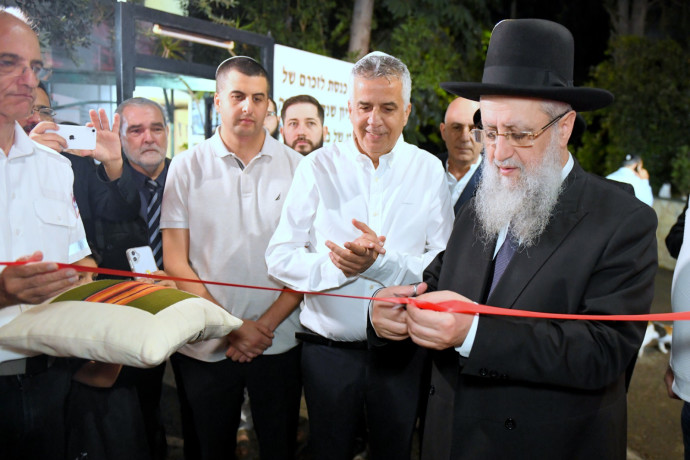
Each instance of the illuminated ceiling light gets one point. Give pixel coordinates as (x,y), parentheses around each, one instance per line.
(181,35)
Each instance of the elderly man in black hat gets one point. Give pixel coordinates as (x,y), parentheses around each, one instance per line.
(541,235)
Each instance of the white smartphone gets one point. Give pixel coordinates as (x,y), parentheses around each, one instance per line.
(77,137)
(141,260)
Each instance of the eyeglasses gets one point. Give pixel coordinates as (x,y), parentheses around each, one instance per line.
(13,65)
(44,111)
(519,139)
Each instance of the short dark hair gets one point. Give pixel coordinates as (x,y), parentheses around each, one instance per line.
(45,90)
(301,99)
(242,64)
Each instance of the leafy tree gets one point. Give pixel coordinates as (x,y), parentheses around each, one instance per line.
(436,47)
(650,81)
(70,25)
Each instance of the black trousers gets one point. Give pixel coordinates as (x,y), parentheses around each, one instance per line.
(343,386)
(211,396)
(119,422)
(32,413)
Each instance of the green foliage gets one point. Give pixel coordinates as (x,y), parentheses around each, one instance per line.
(650,81)
(68,23)
(435,46)
(680,173)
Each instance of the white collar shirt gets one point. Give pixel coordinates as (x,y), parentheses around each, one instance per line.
(231,211)
(39,211)
(405,199)
(456,187)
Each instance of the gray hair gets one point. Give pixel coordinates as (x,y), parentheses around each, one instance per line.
(381,65)
(138,102)
(554,108)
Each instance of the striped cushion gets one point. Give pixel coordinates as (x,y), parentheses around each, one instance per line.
(123,322)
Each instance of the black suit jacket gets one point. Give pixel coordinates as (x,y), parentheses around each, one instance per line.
(118,224)
(674,239)
(469,190)
(546,388)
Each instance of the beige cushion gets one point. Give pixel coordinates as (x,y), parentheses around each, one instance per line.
(124,322)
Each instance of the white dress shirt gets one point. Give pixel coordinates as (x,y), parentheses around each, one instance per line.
(643,191)
(231,211)
(39,212)
(456,187)
(405,199)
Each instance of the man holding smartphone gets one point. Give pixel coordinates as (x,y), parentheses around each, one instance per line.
(126,210)
(42,228)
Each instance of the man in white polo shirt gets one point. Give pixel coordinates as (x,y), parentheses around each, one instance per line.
(221,204)
(40,222)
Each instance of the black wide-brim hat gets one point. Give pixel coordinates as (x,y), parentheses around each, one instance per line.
(531,58)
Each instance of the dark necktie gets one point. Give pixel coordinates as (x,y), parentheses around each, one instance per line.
(153,221)
(505,253)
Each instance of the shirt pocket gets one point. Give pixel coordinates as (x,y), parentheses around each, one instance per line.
(55,212)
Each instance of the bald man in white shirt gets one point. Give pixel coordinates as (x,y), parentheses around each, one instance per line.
(41,225)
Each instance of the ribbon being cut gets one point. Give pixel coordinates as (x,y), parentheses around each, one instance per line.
(454,306)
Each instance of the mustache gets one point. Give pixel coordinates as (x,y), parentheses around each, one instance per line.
(301,139)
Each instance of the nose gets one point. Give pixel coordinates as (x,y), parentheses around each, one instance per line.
(374,117)
(34,118)
(29,77)
(502,149)
(148,136)
(246,105)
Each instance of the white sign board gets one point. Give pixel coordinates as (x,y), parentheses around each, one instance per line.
(300,72)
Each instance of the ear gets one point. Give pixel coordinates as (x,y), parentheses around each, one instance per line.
(566,128)
(325,131)
(216,101)
(281,132)
(442,128)
(408,110)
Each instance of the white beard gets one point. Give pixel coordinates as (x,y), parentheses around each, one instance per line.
(526,203)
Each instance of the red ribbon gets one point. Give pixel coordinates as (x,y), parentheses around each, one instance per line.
(452,306)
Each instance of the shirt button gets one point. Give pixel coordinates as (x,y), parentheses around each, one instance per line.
(371,286)
(17,232)
(510,424)
(493,374)
(376,214)
(432,390)
(483,372)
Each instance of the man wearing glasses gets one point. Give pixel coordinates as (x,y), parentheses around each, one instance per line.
(41,110)
(40,223)
(541,235)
